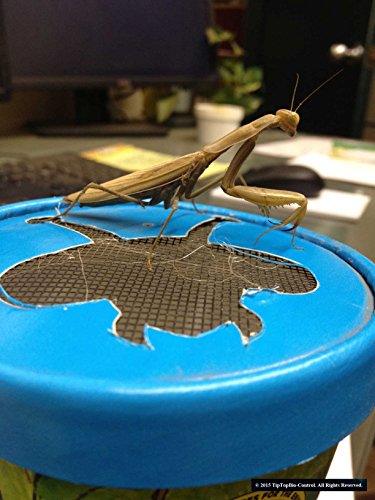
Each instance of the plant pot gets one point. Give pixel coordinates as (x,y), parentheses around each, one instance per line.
(216,120)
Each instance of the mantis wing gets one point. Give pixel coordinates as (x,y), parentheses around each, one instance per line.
(166,173)
(144,180)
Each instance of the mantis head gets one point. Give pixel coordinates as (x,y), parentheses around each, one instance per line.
(288,121)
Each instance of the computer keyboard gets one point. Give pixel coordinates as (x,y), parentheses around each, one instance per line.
(46,176)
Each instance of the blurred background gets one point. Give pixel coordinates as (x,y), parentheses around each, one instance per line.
(82,62)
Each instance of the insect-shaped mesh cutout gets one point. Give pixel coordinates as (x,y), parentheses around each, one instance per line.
(195,286)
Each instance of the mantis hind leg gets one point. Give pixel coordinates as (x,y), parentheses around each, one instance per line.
(157,239)
(190,194)
(100,187)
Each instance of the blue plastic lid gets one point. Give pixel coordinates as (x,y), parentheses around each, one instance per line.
(82,404)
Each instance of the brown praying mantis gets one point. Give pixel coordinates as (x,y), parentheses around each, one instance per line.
(176,179)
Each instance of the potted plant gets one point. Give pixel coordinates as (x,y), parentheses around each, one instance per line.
(234,97)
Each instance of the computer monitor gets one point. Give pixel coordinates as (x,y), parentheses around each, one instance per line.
(89,45)
(95,43)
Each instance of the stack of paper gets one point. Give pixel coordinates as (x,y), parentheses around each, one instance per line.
(328,167)
(318,153)
(290,147)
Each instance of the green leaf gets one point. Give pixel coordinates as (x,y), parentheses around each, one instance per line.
(54,489)
(50,488)
(238,70)
(251,103)
(237,50)
(226,74)
(249,88)
(222,96)
(217,492)
(254,74)
(216,35)
(16,483)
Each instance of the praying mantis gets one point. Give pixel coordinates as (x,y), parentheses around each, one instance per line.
(176,179)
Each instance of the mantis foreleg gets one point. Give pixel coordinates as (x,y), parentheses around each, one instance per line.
(264,198)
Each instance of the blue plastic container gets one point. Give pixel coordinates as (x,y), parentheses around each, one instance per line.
(84,405)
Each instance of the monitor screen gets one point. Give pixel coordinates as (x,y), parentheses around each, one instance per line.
(73,43)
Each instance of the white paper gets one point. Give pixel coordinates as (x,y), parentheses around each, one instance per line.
(295,146)
(336,169)
(341,468)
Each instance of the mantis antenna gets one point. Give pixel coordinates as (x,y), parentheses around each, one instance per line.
(294,91)
(318,88)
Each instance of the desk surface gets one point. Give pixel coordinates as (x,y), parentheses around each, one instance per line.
(359,234)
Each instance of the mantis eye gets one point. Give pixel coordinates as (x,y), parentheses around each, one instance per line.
(296,117)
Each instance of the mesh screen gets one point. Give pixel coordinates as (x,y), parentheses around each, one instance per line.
(195,286)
